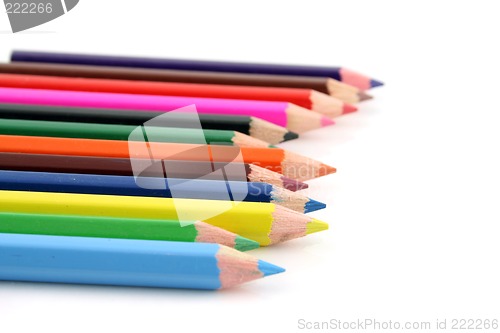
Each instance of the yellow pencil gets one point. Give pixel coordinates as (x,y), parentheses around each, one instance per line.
(265,223)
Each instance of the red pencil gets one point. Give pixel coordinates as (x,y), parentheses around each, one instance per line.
(307,98)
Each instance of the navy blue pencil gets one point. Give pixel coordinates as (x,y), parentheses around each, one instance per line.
(338,73)
(156,187)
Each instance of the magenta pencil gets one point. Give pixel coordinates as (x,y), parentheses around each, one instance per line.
(288,115)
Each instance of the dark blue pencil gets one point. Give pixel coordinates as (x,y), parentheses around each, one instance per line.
(338,73)
(156,187)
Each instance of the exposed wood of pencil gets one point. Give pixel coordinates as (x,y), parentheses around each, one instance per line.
(269,132)
(301,120)
(329,106)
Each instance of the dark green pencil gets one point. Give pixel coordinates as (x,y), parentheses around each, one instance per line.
(254,127)
(122,132)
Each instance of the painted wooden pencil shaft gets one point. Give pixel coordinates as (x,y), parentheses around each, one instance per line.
(340,90)
(287,163)
(121,262)
(252,126)
(283,114)
(338,73)
(123,132)
(124,167)
(265,223)
(124,228)
(309,99)
(156,187)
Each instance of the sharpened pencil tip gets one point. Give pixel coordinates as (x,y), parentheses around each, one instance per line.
(349,108)
(316,226)
(269,269)
(302,185)
(293,185)
(325,121)
(245,244)
(313,205)
(374,83)
(364,96)
(326,170)
(290,136)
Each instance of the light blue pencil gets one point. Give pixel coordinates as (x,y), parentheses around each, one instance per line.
(123,262)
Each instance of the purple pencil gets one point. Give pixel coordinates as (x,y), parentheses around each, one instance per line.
(342,74)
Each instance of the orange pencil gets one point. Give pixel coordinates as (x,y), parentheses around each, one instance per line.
(287,163)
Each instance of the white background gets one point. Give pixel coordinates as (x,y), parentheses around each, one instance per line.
(414,207)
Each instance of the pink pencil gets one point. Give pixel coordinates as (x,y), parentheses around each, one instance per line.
(291,116)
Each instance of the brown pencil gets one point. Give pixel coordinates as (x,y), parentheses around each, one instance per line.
(123,167)
(289,164)
(342,91)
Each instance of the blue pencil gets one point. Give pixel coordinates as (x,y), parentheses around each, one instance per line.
(338,73)
(121,262)
(156,187)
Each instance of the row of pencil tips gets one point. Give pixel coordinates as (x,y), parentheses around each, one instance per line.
(158,172)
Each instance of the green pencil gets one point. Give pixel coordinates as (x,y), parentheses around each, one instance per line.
(125,228)
(122,132)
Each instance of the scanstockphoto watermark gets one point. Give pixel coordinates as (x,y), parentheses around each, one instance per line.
(26,14)
(373,324)
(362,324)
(155,164)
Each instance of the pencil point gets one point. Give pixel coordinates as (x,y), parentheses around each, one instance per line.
(293,185)
(290,136)
(313,205)
(316,226)
(364,96)
(375,83)
(326,170)
(301,185)
(349,108)
(269,269)
(245,244)
(325,121)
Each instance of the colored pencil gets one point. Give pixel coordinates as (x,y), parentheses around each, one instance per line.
(123,132)
(289,164)
(123,167)
(164,188)
(265,223)
(309,99)
(126,262)
(338,73)
(293,117)
(123,228)
(332,87)
(255,127)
